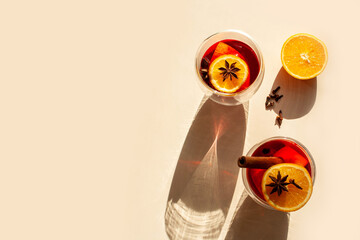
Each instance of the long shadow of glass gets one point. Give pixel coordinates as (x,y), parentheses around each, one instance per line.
(299,95)
(254,222)
(206,173)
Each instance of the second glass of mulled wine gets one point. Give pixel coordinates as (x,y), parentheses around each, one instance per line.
(290,151)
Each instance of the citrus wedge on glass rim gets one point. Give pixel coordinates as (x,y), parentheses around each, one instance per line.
(304,56)
(228,72)
(287,187)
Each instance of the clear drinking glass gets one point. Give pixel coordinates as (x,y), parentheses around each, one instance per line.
(298,145)
(237,97)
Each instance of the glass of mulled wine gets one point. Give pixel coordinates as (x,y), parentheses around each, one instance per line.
(290,150)
(230,67)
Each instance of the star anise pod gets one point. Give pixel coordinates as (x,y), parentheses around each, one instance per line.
(229,70)
(279,184)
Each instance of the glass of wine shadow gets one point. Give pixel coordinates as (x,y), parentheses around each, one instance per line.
(206,173)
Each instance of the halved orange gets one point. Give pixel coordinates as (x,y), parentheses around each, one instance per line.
(304,56)
(228,72)
(298,185)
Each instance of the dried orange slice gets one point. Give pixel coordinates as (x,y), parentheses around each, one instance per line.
(286,186)
(304,56)
(228,72)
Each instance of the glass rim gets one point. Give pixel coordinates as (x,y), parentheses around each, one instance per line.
(258,54)
(252,194)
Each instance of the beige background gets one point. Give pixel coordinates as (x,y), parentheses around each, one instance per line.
(97,98)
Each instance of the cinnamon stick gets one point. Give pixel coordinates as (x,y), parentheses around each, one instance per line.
(258,162)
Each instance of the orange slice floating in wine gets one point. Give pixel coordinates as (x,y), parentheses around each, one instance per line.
(287,186)
(228,73)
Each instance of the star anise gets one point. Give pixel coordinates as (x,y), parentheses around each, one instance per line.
(229,70)
(279,184)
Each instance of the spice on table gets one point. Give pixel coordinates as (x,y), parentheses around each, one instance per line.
(268,103)
(272,98)
(279,119)
(278,98)
(276,90)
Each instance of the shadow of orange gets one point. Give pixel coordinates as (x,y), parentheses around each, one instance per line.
(299,95)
